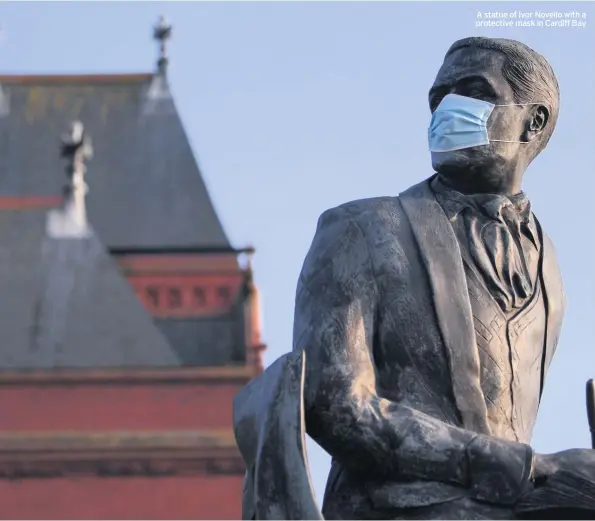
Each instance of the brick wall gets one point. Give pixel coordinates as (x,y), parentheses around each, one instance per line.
(118,406)
(88,497)
(96,404)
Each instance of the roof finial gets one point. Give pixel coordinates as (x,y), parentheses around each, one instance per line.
(76,147)
(162,33)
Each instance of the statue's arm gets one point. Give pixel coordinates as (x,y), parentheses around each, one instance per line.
(335,324)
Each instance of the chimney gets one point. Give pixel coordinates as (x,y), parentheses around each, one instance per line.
(71,220)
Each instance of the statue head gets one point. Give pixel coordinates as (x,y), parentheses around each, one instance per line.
(501,72)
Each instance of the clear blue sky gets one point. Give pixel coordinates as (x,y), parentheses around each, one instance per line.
(293,108)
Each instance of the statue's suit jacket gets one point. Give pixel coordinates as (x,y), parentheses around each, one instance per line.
(392,379)
(269,428)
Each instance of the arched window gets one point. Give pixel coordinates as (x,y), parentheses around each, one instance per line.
(174,298)
(199,298)
(152,295)
(224,294)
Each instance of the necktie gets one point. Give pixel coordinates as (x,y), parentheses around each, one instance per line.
(497,252)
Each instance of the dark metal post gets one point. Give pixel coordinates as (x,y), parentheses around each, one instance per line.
(591,410)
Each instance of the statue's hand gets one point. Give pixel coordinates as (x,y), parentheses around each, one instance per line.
(547,465)
(544,466)
(562,487)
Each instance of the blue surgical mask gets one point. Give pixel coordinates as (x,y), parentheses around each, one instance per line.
(461,122)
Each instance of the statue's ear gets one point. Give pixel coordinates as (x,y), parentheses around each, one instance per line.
(538,118)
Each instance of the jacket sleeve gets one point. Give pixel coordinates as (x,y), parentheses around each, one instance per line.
(336,306)
(268,420)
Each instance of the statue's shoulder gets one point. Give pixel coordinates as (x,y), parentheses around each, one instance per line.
(374,214)
(362,211)
(380,207)
(370,206)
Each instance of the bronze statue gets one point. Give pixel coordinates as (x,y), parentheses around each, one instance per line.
(425,325)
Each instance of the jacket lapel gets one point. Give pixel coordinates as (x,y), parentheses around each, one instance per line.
(554,298)
(441,255)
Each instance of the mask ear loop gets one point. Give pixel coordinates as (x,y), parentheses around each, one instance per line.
(505,141)
(516,105)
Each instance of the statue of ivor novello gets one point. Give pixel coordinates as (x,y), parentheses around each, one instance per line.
(425,324)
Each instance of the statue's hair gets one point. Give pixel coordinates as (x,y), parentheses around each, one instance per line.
(528,73)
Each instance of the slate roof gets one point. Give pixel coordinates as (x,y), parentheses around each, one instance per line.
(64,300)
(65,305)
(146,189)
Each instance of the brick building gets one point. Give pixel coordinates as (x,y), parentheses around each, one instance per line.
(128,320)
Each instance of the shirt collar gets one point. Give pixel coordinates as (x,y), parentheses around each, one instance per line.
(490,205)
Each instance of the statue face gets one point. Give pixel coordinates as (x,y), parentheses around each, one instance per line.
(477,73)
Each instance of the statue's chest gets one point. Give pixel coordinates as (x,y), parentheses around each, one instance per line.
(510,348)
